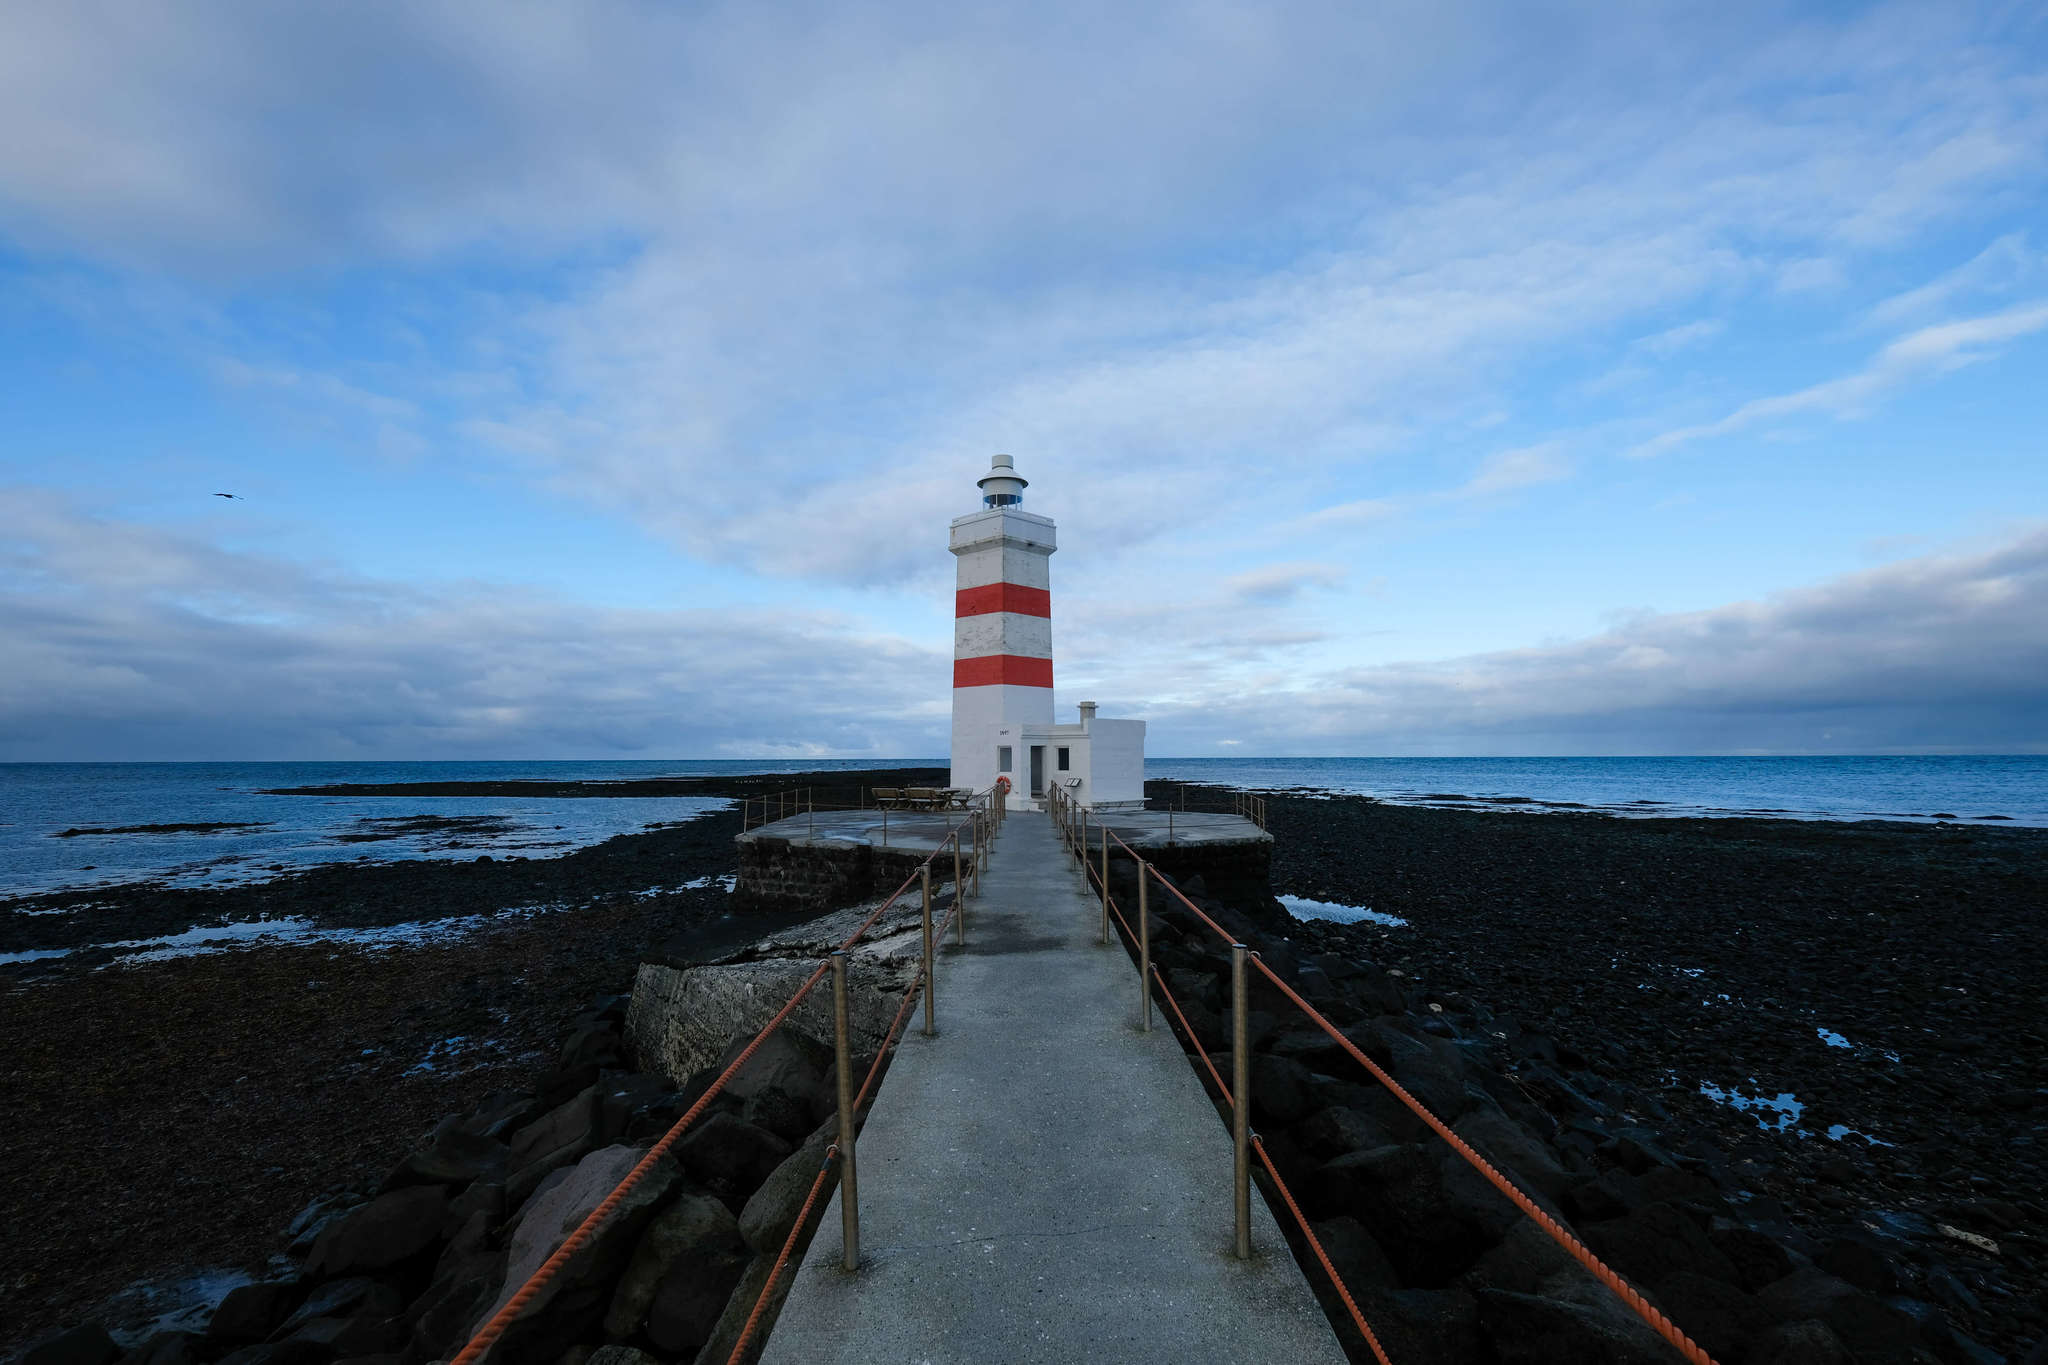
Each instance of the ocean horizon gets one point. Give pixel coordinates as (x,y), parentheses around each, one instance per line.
(256,835)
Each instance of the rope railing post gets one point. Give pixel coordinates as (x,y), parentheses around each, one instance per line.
(925,878)
(959,889)
(849,1187)
(1240,1099)
(1105,880)
(1144,949)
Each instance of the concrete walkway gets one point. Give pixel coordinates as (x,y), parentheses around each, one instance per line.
(1041,1181)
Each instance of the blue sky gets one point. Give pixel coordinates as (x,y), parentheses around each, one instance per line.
(598,382)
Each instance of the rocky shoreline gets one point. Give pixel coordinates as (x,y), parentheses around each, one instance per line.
(169,1117)
(1615,975)
(1569,963)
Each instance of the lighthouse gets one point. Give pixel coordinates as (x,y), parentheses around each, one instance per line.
(1002,664)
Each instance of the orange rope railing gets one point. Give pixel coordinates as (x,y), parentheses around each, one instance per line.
(490,1332)
(910,998)
(1572,1246)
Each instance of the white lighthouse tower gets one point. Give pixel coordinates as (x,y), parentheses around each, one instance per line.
(1002,665)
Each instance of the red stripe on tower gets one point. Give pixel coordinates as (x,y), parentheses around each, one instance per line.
(1013,670)
(1010,597)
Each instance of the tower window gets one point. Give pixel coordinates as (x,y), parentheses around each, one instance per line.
(1002,758)
(1063,760)
(1003,499)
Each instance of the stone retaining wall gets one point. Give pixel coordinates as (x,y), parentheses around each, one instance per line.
(780,874)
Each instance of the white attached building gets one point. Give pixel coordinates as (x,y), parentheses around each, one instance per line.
(1002,665)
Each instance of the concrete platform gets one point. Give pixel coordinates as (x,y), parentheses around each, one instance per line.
(1041,1182)
(910,830)
(1146,830)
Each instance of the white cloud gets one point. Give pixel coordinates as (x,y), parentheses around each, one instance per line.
(1514,469)
(1928,351)
(795,266)
(2007,263)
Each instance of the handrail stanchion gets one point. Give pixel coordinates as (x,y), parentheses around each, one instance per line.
(1240,1100)
(930,981)
(1144,949)
(849,1186)
(885,826)
(1105,880)
(959,889)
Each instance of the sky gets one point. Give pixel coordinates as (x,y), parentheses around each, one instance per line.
(598,381)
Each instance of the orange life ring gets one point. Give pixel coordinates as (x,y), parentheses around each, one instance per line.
(1003,784)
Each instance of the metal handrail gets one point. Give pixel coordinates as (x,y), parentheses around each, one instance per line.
(1237,1097)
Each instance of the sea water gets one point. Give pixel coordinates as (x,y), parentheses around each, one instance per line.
(1970,789)
(38,801)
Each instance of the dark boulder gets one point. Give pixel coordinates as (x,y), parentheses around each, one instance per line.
(250,1312)
(85,1344)
(691,1294)
(170,1348)
(1657,1241)
(571,1307)
(769,1214)
(1397,1194)
(1280,1093)
(692,1238)
(390,1229)
(1806,1342)
(1337,1129)
(1579,1323)
(452,1156)
(356,1297)
(1853,1259)
(787,1086)
(1423,1324)
(279,1353)
(731,1154)
(592,1044)
(565,1134)
(1357,1257)
(1758,1258)
(1717,1315)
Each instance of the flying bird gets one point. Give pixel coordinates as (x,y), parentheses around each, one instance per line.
(227,495)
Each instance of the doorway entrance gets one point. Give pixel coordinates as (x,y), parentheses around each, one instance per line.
(1037,770)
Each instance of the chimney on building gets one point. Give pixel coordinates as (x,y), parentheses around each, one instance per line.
(1087,712)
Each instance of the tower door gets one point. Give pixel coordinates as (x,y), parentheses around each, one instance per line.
(1038,770)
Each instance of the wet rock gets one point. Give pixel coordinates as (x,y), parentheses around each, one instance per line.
(388,1230)
(686,1239)
(251,1311)
(769,1214)
(502,1113)
(85,1344)
(279,1353)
